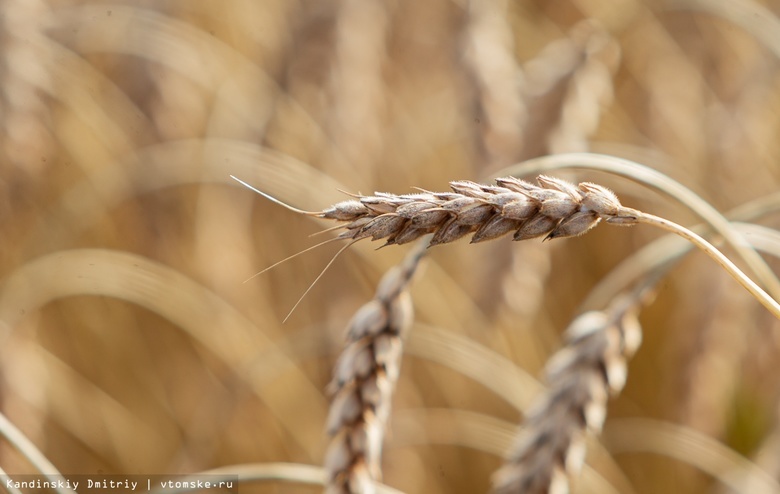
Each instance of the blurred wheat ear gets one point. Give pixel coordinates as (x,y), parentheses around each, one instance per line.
(591,367)
(364,379)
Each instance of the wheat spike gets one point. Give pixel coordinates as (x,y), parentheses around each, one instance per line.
(554,209)
(592,366)
(363,382)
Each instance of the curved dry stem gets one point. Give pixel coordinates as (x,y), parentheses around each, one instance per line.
(652,262)
(767,301)
(57,382)
(32,453)
(10,488)
(689,446)
(656,258)
(485,366)
(656,180)
(168,293)
(447,426)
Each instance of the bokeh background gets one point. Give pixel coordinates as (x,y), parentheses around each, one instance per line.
(131,345)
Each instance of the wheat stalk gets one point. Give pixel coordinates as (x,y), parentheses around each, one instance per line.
(581,376)
(363,382)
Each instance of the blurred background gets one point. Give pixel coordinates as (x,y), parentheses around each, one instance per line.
(131,345)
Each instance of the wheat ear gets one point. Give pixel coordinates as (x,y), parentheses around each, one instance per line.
(554,209)
(363,382)
(550,448)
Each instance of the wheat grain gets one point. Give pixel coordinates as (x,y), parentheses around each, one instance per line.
(363,382)
(592,366)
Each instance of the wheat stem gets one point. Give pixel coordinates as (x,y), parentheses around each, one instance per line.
(723,261)
(662,183)
(19,441)
(653,261)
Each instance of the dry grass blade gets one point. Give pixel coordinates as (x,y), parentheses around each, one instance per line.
(189,305)
(32,453)
(662,183)
(581,377)
(29,362)
(10,488)
(364,379)
(690,446)
(485,433)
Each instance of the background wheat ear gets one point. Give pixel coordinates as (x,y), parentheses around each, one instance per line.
(550,447)
(364,379)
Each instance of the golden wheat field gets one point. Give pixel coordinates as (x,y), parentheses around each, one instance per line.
(132,343)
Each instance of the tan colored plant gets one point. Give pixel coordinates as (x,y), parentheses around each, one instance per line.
(363,382)
(581,377)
